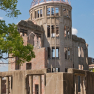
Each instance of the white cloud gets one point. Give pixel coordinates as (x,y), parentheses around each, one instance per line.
(1,18)
(74,31)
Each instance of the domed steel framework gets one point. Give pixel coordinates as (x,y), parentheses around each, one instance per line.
(37,2)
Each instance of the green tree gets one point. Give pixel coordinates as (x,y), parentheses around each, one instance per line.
(10,40)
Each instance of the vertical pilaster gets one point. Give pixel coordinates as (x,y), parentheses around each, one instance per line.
(31,83)
(81,84)
(76,84)
(40,84)
(7,85)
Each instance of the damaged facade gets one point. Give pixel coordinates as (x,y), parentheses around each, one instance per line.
(49,30)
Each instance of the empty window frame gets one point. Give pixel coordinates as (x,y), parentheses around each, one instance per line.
(31,16)
(40,12)
(52,31)
(36,89)
(57,11)
(48,49)
(53,52)
(68,53)
(65,33)
(35,14)
(23,32)
(57,52)
(52,11)
(28,66)
(57,31)
(48,30)
(65,50)
(17,66)
(48,11)
(68,33)
(57,69)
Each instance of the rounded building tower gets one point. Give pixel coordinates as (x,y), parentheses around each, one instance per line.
(54,16)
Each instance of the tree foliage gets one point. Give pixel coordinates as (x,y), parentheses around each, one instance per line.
(10,6)
(10,40)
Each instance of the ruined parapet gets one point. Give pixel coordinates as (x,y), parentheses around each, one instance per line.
(78,39)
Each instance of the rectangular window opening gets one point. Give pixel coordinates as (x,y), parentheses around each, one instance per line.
(65,50)
(68,53)
(28,66)
(57,52)
(31,16)
(48,30)
(57,31)
(36,89)
(57,11)
(53,52)
(41,13)
(48,11)
(38,13)
(53,31)
(48,52)
(52,11)
(35,14)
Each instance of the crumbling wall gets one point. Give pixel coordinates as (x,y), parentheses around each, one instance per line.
(80,53)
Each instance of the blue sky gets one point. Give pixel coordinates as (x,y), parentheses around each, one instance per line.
(82,20)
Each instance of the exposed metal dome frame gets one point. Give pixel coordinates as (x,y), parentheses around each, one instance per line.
(37,2)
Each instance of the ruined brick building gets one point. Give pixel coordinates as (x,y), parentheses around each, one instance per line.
(49,30)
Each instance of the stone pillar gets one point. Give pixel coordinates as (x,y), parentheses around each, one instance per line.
(10,83)
(40,84)
(84,85)
(31,83)
(7,85)
(81,85)
(76,84)
(0,85)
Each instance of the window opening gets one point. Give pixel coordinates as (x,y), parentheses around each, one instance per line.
(57,31)
(57,52)
(48,52)
(53,52)
(57,11)
(66,69)
(65,53)
(48,11)
(28,66)
(52,11)
(48,30)
(53,31)
(38,13)
(36,89)
(23,32)
(31,16)
(68,34)
(35,14)
(68,53)
(48,70)
(65,31)
(41,13)
(64,9)
(53,69)
(57,69)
